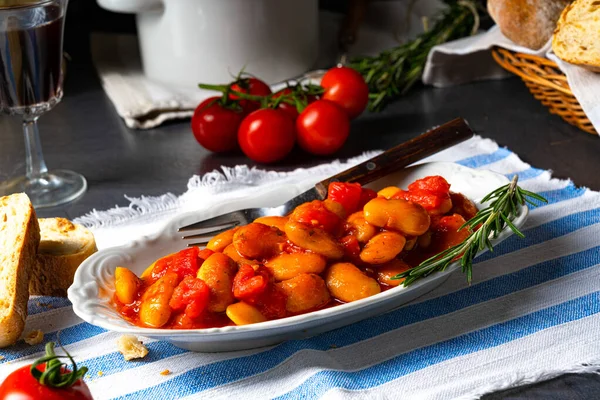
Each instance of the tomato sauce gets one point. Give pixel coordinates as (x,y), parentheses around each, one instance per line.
(191,299)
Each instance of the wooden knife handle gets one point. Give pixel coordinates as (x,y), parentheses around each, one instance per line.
(404,154)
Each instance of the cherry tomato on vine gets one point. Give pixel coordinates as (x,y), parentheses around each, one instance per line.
(266,135)
(215,127)
(252,86)
(22,385)
(322,128)
(289,109)
(347,88)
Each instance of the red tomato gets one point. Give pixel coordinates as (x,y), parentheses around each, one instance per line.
(347,88)
(322,128)
(433,184)
(204,254)
(183,263)
(432,202)
(271,303)
(252,86)
(351,246)
(21,385)
(347,194)
(191,295)
(287,108)
(266,135)
(446,233)
(317,215)
(365,196)
(215,127)
(248,283)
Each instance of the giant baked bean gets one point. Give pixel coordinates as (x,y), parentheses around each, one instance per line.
(304,292)
(383,247)
(287,266)
(257,241)
(397,214)
(348,283)
(276,221)
(243,314)
(386,272)
(217,271)
(154,308)
(222,240)
(232,253)
(126,285)
(313,239)
(363,230)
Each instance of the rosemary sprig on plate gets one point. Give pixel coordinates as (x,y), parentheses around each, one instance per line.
(504,205)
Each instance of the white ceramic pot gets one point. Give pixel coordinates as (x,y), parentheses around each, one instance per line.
(184,42)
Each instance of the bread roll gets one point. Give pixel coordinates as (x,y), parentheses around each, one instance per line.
(19,240)
(577,36)
(528,23)
(63,247)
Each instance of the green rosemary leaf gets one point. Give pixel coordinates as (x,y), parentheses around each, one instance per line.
(504,206)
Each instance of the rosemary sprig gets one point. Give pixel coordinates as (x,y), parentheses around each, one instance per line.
(504,205)
(393,72)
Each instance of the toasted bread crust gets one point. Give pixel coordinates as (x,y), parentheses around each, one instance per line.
(16,271)
(528,23)
(63,247)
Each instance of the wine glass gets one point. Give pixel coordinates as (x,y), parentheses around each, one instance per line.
(31,48)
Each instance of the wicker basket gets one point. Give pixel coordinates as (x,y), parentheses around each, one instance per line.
(547,84)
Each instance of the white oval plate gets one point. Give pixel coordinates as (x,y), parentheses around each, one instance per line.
(93,286)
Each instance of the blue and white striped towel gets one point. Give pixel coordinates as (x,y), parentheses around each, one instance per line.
(532,312)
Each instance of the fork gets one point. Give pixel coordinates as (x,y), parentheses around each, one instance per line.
(392,160)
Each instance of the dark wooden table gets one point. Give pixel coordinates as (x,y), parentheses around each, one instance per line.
(85,134)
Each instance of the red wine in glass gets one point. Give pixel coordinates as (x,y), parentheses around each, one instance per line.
(31,39)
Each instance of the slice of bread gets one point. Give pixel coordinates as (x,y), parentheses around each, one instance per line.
(577,36)
(19,240)
(63,247)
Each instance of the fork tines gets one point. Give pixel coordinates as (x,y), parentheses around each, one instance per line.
(209,228)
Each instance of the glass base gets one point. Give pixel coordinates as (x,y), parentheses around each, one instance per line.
(50,189)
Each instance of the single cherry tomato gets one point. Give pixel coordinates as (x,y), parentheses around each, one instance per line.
(191,295)
(21,384)
(252,86)
(266,135)
(289,109)
(215,127)
(322,128)
(347,194)
(347,88)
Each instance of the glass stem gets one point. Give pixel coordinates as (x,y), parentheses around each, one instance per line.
(34,159)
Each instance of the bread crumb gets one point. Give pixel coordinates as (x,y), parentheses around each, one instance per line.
(131,347)
(1,358)
(34,337)
(166,372)
(100,373)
